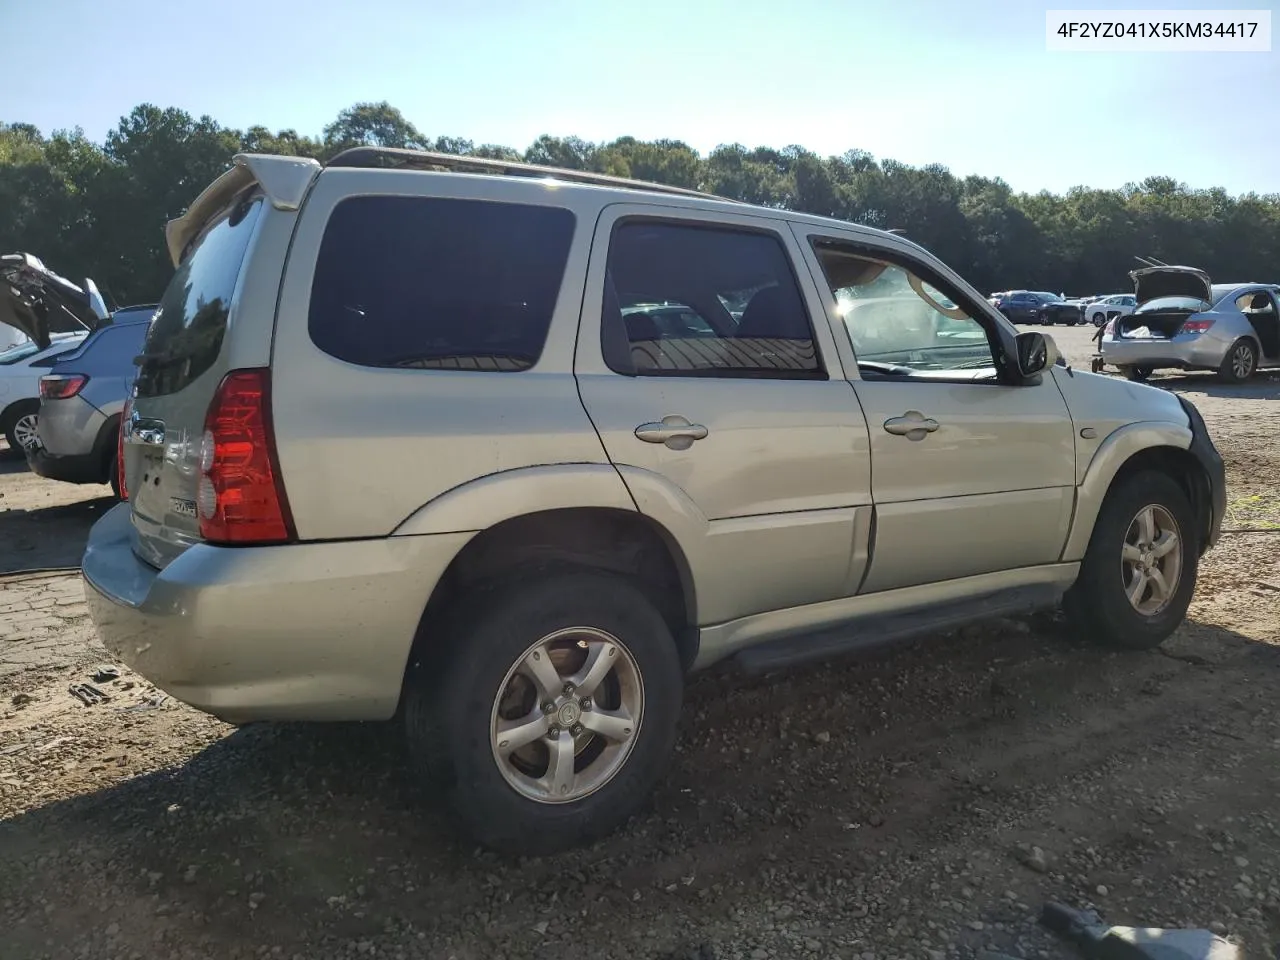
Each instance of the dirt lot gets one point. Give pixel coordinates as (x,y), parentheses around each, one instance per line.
(921,803)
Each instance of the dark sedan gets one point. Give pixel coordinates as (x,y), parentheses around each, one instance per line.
(1024,306)
(1065,312)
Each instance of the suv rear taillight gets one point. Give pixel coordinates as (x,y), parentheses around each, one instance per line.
(1196,326)
(240,498)
(124,419)
(1110,329)
(60,386)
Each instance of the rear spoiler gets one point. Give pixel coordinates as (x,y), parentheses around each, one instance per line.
(284,180)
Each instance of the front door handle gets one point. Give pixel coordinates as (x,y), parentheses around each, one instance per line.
(913,425)
(676,432)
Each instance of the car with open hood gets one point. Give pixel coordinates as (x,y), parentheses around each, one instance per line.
(81,398)
(21,368)
(55,315)
(40,303)
(1185,321)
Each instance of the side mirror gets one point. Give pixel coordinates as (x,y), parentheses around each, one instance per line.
(1036,352)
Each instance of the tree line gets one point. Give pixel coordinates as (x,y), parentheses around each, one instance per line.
(98,210)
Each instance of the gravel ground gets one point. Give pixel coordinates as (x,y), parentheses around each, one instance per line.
(919,803)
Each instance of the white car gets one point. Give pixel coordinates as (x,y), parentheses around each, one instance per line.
(1100,311)
(21,368)
(10,337)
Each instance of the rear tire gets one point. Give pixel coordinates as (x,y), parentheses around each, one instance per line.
(19,425)
(1240,363)
(1118,601)
(514,666)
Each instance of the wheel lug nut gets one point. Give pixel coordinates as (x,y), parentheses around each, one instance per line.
(554,733)
(568,689)
(586,704)
(577,729)
(548,708)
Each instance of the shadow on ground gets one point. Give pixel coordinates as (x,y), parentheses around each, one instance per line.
(48,537)
(36,537)
(1262,386)
(282,833)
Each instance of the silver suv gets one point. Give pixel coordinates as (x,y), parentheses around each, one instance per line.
(507,452)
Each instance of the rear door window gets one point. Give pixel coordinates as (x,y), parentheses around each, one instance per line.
(706,301)
(191,320)
(438,283)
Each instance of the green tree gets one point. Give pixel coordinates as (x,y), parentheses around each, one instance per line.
(100,210)
(372,125)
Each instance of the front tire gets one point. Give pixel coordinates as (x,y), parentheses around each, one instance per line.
(1136,374)
(1240,362)
(554,714)
(1140,569)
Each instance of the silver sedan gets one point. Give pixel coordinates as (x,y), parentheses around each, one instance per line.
(1186,322)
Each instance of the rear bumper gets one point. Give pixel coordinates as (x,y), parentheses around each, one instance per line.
(72,427)
(76,442)
(1188,352)
(78,468)
(318,631)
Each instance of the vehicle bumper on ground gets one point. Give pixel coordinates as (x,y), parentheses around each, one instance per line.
(1184,352)
(317,631)
(77,468)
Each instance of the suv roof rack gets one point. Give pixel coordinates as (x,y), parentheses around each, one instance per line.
(396,157)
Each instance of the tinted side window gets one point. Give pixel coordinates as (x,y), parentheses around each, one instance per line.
(186,333)
(704,301)
(437,283)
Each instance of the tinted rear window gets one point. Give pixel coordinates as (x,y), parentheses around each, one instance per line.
(438,283)
(186,335)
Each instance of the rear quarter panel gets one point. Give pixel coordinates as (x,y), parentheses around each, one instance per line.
(108,362)
(69,427)
(362,448)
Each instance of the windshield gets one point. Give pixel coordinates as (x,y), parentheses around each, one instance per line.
(1189,304)
(20,352)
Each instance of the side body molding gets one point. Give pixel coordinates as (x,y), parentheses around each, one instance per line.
(1110,456)
(488,501)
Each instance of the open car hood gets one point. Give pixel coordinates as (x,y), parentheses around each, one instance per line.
(1152,282)
(40,303)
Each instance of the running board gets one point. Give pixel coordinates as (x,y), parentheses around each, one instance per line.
(877,630)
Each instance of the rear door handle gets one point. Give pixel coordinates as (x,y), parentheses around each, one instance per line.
(676,432)
(913,425)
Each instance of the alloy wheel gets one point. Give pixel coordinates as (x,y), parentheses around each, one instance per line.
(1151,560)
(24,431)
(1242,361)
(566,715)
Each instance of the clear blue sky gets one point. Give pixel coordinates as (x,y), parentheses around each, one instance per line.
(966,84)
